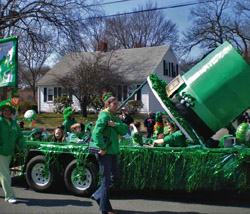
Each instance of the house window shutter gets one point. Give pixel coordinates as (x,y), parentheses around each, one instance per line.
(164,67)
(177,69)
(169,69)
(45,95)
(172,68)
(59,92)
(55,92)
(174,73)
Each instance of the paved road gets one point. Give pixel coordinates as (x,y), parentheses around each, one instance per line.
(60,201)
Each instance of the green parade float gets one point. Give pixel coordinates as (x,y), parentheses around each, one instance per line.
(205,99)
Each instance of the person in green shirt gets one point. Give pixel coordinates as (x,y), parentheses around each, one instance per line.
(69,120)
(175,138)
(36,135)
(84,135)
(10,134)
(105,141)
(76,133)
(136,134)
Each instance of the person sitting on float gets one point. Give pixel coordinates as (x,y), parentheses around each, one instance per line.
(75,136)
(175,138)
(69,120)
(84,135)
(159,126)
(36,135)
(59,134)
(136,134)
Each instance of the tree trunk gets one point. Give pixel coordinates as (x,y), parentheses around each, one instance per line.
(34,94)
(84,110)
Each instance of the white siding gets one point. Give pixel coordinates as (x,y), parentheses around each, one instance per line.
(76,104)
(154,104)
(44,106)
(144,99)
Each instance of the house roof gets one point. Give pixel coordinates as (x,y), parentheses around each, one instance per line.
(136,63)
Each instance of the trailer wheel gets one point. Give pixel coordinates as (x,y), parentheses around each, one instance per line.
(82,181)
(36,176)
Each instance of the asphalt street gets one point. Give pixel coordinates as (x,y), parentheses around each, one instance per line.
(126,202)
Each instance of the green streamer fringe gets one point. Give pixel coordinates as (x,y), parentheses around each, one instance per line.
(153,168)
(184,169)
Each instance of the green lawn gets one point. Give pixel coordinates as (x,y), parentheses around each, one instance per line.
(50,121)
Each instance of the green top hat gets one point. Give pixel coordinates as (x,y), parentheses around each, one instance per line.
(158,116)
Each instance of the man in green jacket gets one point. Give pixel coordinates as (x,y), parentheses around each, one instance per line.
(10,133)
(106,142)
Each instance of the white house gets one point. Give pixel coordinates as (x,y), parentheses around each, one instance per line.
(136,63)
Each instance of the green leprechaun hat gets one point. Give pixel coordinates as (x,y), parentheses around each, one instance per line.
(14,93)
(67,112)
(7,104)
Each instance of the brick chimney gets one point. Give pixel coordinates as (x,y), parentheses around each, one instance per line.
(103,47)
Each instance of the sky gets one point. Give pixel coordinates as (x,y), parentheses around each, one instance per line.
(180,15)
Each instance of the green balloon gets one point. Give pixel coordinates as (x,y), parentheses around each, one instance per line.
(242,133)
(30,115)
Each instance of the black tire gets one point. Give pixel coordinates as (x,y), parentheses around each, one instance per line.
(81,186)
(35,175)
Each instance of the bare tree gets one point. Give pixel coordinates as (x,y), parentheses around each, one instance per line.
(243,6)
(32,60)
(89,80)
(215,22)
(140,29)
(61,18)
(36,21)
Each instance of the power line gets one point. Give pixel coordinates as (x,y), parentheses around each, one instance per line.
(147,10)
(127,13)
(107,3)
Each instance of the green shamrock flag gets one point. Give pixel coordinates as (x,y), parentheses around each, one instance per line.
(8,61)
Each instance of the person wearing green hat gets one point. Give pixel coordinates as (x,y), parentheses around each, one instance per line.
(105,141)
(10,134)
(175,138)
(159,126)
(69,120)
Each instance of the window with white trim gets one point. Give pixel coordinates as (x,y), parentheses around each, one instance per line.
(49,94)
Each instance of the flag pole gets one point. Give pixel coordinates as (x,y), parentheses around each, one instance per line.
(134,92)
(16,83)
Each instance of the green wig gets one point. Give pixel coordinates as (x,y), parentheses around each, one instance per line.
(67,112)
